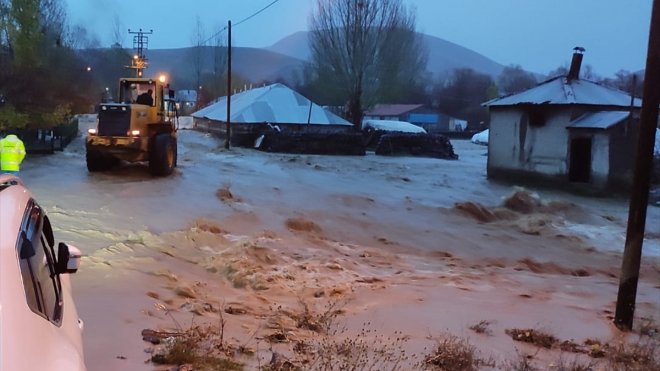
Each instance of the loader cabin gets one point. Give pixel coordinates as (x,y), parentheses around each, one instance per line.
(148,92)
(133,91)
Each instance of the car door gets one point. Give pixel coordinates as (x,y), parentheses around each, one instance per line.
(38,337)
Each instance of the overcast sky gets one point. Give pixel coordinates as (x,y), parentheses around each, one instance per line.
(537,34)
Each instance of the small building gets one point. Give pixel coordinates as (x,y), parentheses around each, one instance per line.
(186,100)
(416,114)
(565,130)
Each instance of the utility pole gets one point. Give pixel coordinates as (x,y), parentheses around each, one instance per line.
(625,304)
(140,43)
(228,131)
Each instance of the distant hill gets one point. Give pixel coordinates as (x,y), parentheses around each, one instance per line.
(256,65)
(284,61)
(444,56)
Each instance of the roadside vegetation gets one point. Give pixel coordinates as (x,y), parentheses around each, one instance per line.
(327,345)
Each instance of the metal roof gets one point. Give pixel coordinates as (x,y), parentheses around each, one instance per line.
(275,103)
(392,109)
(561,90)
(599,120)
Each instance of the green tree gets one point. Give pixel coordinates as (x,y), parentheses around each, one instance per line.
(25,33)
(40,75)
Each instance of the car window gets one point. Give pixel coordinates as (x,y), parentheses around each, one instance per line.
(42,285)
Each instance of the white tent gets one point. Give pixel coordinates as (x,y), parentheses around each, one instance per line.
(272,104)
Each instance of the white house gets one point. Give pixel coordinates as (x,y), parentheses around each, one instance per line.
(565,130)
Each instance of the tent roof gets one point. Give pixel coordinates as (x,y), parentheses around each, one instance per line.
(561,90)
(275,103)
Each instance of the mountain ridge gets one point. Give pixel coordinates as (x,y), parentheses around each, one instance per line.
(284,60)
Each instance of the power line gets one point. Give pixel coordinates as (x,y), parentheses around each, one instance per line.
(242,20)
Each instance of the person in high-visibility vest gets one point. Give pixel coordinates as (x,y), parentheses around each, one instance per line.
(12,153)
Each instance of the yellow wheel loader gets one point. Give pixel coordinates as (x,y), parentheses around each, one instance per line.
(140,126)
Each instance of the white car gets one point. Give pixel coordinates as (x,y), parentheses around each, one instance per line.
(39,324)
(481,138)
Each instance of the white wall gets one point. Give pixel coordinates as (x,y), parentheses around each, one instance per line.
(600,158)
(544,149)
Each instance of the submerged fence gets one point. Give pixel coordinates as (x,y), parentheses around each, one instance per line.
(47,141)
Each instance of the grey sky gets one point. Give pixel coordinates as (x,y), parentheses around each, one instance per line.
(537,34)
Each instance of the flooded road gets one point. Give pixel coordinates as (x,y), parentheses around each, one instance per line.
(393,237)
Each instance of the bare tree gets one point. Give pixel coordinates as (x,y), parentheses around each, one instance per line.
(461,95)
(359,45)
(627,81)
(79,37)
(53,20)
(118,32)
(197,52)
(514,79)
(219,64)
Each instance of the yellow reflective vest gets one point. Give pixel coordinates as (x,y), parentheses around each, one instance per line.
(12,153)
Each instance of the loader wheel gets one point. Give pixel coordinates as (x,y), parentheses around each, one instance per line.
(176,152)
(97,161)
(162,156)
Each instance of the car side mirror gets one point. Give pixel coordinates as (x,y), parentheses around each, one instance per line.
(68,259)
(27,249)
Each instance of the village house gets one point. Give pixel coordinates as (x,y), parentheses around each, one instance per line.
(186,100)
(416,114)
(566,131)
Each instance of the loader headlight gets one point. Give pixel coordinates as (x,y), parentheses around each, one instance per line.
(91,131)
(135,133)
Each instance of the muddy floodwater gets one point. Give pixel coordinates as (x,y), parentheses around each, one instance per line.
(416,247)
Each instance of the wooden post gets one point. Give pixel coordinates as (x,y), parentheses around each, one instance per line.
(309,114)
(228,131)
(625,304)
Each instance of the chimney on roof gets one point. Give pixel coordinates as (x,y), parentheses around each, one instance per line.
(576,63)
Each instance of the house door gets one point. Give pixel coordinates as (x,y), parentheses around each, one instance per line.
(580,163)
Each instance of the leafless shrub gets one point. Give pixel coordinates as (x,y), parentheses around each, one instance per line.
(322,321)
(482,327)
(533,336)
(202,347)
(523,362)
(574,365)
(639,356)
(455,354)
(363,351)
(648,327)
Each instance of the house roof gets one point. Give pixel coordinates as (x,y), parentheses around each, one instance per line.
(599,120)
(562,91)
(392,109)
(275,103)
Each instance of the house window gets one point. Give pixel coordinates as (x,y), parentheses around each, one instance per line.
(43,290)
(536,117)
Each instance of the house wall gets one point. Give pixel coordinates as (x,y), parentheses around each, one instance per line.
(518,150)
(600,154)
(517,146)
